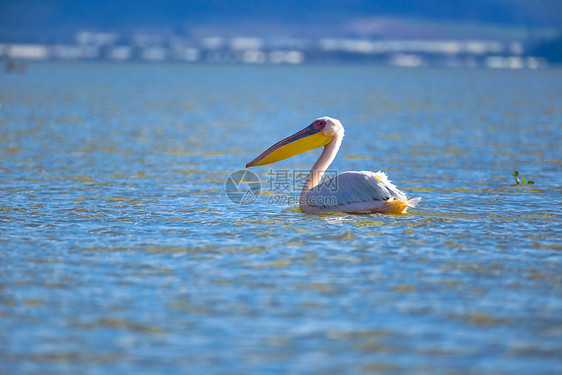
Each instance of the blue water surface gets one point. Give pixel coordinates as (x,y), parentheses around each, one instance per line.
(121,252)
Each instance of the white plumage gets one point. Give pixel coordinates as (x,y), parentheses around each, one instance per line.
(359,192)
(352,192)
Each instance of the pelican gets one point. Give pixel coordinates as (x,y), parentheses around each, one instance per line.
(349,192)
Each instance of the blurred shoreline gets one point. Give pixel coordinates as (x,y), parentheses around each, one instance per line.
(453,53)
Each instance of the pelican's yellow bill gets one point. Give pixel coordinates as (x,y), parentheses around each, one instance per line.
(307,139)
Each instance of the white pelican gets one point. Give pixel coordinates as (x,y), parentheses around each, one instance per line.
(351,192)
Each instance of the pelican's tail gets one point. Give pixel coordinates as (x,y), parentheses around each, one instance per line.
(413,202)
(397,206)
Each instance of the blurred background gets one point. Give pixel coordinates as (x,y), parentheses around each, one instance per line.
(491,33)
(121,121)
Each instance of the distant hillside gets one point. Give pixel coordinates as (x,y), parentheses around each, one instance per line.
(550,50)
(57,19)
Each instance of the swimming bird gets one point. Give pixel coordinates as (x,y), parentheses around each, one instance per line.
(350,192)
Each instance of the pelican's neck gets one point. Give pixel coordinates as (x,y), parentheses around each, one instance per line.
(328,155)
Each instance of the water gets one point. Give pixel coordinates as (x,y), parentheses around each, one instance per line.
(121,253)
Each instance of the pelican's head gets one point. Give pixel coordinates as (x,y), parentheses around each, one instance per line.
(320,133)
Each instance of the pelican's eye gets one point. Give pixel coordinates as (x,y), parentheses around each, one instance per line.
(321,124)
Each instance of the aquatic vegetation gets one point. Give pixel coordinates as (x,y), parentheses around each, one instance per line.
(523,179)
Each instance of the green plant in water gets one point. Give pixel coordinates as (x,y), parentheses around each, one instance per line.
(523,179)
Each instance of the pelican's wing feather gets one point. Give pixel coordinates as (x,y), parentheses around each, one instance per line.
(354,189)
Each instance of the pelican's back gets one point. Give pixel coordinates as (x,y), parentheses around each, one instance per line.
(357,192)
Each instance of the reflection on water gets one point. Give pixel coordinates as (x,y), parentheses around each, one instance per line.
(121,252)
